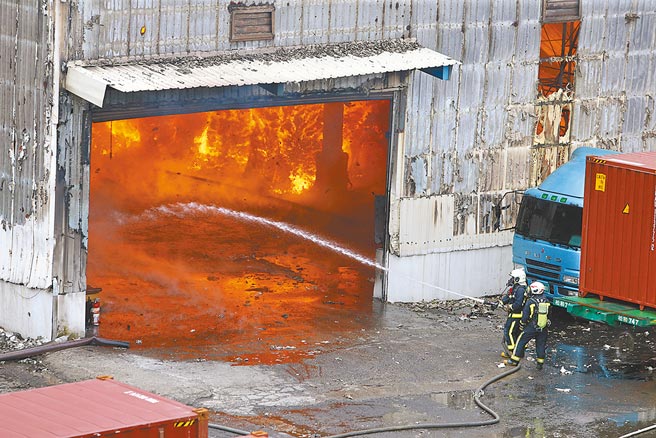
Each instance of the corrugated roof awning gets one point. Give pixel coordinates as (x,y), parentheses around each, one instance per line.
(265,68)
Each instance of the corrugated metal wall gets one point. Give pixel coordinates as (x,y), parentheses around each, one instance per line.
(113,29)
(467,141)
(26,93)
(616,80)
(479,142)
(475,145)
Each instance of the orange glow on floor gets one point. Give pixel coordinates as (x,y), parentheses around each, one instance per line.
(191,283)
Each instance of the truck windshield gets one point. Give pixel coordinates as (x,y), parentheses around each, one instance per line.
(551,221)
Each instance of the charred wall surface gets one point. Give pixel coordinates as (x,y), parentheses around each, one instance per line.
(616,82)
(26,93)
(28,88)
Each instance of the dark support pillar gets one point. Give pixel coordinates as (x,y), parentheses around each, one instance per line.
(332,161)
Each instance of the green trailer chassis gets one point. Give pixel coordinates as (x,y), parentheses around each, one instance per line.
(608,312)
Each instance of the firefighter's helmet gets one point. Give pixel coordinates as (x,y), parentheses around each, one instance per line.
(537,288)
(518,276)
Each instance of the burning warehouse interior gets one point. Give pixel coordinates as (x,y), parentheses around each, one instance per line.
(178,235)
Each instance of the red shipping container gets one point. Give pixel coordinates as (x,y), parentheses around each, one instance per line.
(97,408)
(618,249)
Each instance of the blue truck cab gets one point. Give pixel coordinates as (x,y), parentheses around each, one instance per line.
(547,239)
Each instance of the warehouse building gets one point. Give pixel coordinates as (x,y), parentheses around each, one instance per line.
(398,133)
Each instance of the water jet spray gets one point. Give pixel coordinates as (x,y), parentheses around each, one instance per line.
(183,209)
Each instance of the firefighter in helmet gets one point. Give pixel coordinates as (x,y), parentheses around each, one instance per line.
(534,323)
(513,301)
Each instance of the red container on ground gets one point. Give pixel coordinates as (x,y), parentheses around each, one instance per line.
(618,248)
(97,408)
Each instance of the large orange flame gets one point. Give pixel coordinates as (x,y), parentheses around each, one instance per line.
(168,276)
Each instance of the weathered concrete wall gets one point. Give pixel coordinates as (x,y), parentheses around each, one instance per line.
(27,311)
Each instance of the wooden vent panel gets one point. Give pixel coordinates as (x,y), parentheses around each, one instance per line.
(249,23)
(558,11)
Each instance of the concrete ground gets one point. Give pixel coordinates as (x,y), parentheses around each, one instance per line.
(414,365)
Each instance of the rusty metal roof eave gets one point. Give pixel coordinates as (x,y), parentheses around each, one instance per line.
(91,82)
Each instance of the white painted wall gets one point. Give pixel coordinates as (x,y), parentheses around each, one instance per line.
(30,310)
(71,314)
(448,275)
(27,311)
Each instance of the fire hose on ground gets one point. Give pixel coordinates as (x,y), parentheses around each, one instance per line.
(56,346)
(477,395)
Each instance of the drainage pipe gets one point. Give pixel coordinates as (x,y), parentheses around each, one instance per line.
(56,346)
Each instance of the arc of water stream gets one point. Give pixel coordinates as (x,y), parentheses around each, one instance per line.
(182,209)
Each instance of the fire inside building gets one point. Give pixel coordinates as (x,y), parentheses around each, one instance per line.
(256,169)
(180,221)
(257,217)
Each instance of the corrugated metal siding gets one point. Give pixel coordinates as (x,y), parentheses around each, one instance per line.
(482,141)
(371,18)
(417,239)
(314,22)
(25,188)
(112,30)
(615,89)
(443,275)
(481,130)
(72,210)
(465,141)
(8,23)
(316,62)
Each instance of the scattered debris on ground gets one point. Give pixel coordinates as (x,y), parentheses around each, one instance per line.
(464,309)
(10,341)
(14,372)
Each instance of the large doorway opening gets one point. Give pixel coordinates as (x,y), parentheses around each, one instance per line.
(199,225)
